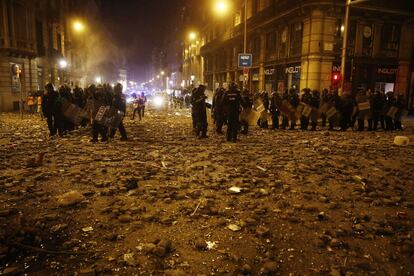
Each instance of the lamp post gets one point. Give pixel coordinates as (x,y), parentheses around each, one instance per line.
(222,8)
(348,5)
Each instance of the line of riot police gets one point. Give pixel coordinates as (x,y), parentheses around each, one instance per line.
(285,109)
(102,106)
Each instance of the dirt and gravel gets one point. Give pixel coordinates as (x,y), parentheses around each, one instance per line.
(166,203)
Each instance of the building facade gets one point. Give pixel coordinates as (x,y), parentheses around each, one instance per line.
(38,44)
(298,44)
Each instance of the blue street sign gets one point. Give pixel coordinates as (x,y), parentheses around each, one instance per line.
(245,60)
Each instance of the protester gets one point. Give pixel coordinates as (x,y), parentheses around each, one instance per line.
(119,103)
(198,102)
(51,110)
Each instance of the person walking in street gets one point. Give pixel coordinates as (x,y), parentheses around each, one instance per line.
(39,103)
(51,110)
(294,102)
(119,103)
(96,100)
(143,102)
(30,101)
(315,102)
(199,113)
(217,109)
(275,103)
(231,103)
(247,106)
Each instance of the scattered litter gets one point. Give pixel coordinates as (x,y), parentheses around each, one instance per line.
(129,259)
(87,229)
(234,227)
(70,198)
(211,245)
(235,190)
(401,140)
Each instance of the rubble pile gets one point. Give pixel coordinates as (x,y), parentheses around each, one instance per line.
(275,203)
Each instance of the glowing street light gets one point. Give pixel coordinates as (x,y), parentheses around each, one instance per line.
(63,63)
(162,73)
(98,80)
(192,36)
(158,76)
(221,7)
(78,26)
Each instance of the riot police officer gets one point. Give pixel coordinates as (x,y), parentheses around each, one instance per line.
(231,103)
(198,102)
(275,103)
(306,99)
(217,109)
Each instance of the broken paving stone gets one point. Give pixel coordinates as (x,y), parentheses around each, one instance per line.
(125,218)
(269,268)
(129,259)
(401,140)
(11,271)
(175,272)
(235,190)
(87,229)
(70,198)
(262,231)
(234,227)
(58,227)
(131,183)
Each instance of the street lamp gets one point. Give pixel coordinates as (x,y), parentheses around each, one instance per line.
(221,7)
(98,80)
(162,73)
(192,36)
(63,63)
(78,26)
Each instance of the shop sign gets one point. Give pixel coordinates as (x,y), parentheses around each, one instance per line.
(387,71)
(292,69)
(269,72)
(336,68)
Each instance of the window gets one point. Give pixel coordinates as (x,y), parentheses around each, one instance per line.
(20,24)
(367,39)
(296,39)
(390,37)
(1,26)
(282,42)
(271,44)
(39,38)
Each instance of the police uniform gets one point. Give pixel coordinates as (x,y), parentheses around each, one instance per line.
(231,103)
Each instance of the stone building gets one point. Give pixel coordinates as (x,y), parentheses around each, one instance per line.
(39,43)
(35,47)
(297,43)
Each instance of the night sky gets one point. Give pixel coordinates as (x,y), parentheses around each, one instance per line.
(137,27)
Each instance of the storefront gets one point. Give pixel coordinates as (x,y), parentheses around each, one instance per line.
(385,78)
(292,72)
(254,80)
(287,76)
(270,79)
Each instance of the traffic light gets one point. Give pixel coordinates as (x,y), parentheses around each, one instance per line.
(336,79)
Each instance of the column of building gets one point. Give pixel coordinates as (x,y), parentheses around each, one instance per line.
(317,50)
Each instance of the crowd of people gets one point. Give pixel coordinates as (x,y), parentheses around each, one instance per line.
(365,110)
(66,108)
